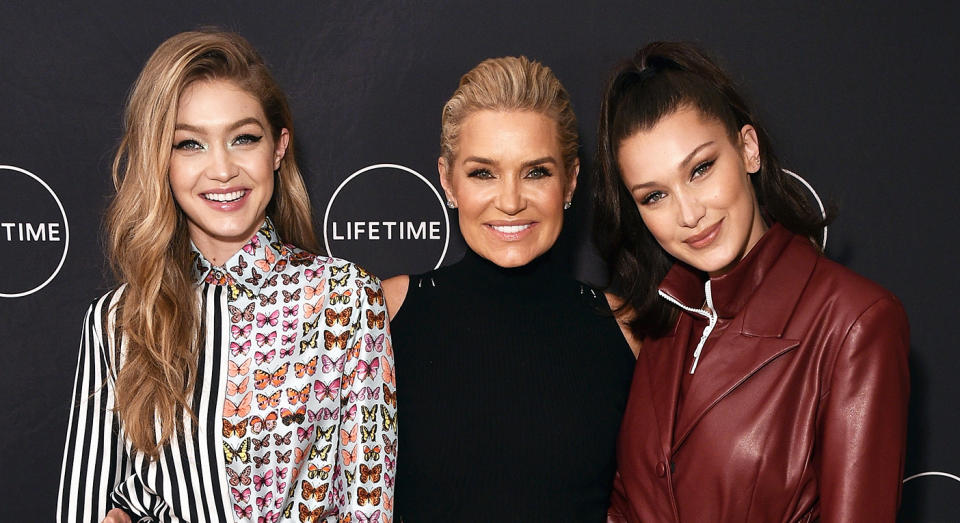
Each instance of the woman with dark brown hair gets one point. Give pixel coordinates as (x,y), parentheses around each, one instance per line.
(772,384)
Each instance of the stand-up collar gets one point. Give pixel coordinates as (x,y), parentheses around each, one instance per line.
(245,272)
(781,258)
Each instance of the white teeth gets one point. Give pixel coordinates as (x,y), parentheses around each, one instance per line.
(224,197)
(510,229)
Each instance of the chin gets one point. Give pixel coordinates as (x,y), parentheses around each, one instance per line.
(511,258)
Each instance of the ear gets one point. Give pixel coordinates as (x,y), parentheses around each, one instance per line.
(442,168)
(280,148)
(572,184)
(750,148)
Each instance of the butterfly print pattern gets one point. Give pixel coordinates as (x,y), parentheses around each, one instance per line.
(300,353)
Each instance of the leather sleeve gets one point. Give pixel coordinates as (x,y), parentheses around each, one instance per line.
(619,506)
(864,418)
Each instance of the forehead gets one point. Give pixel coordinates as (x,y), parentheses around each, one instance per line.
(670,141)
(217,100)
(509,132)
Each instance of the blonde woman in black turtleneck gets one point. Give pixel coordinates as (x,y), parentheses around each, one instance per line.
(514,376)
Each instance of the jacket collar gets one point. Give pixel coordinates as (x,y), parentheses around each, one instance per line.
(246,271)
(781,261)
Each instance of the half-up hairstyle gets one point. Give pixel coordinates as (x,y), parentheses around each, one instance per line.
(146,231)
(660,79)
(510,83)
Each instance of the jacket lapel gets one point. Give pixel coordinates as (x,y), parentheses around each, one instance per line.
(664,371)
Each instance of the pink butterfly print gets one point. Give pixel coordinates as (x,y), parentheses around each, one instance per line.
(310,274)
(388,480)
(304,433)
(260,481)
(369,393)
(372,344)
(363,518)
(324,390)
(367,370)
(290,311)
(270,517)
(290,325)
(241,496)
(351,413)
(264,358)
(329,364)
(238,349)
(287,351)
(391,463)
(263,319)
(282,472)
(262,502)
(251,245)
(243,512)
(266,340)
(240,332)
(285,340)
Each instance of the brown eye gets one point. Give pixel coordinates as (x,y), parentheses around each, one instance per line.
(653,197)
(483,174)
(701,169)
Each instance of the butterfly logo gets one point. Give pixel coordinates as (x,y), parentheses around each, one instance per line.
(239,479)
(271,281)
(251,245)
(294,396)
(364,497)
(240,266)
(373,296)
(263,319)
(377,320)
(264,401)
(290,325)
(236,315)
(391,464)
(370,474)
(330,340)
(237,388)
(287,351)
(307,369)
(261,357)
(388,422)
(276,378)
(240,332)
(304,433)
(241,453)
(325,390)
(240,429)
(287,417)
(268,423)
(320,492)
(369,414)
(241,409)
(351,414)
(351,476)
(367,370)
(337,270)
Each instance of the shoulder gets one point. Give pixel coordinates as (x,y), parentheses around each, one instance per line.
(395,291)
(844,291)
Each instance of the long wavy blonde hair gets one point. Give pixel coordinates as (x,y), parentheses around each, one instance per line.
(148,241)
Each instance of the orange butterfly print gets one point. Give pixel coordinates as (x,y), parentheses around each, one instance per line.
(294,396)
(309,516)
(330,340)
(268,422)
(349,437)
(309,310)
(388,376)
(309,291)
(370,474)
(320,492)
(372,497)
(276,378)
(308,368)
(375,319)
(266,263)
(343,318)
(288,417)
(237,388)
(349,457)
(238,370)
(264,401)
(240,429)
(314,471)
(390,398)
(373,296)
(241,409)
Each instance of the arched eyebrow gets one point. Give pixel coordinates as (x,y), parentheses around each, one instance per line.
(528,163)
(693,153)
(231,127)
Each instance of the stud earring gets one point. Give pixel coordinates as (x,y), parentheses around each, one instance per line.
(451,205)
(567,205)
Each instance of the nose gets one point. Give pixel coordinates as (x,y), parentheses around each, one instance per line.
(221,166)
(510,199)
(690,210)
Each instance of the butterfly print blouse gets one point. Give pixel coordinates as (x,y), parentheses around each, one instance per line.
(295,402)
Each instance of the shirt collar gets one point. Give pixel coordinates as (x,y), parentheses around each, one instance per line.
(245,271)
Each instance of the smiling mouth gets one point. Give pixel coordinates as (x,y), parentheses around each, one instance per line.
(224,197)
(511,229)
(705,237)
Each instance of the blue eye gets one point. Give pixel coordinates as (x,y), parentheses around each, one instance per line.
(246,139)
(483,174)
(653,197)
(702,169)
(188,145)
(539,172)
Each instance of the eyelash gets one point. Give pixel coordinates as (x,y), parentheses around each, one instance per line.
(243,139)
(535,173)
(698,171)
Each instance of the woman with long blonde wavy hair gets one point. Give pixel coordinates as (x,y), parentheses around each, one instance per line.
(222,378)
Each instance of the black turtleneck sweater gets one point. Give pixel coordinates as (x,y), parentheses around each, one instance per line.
(512,384)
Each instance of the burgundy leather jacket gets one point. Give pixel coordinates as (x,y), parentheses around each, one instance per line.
(797,409)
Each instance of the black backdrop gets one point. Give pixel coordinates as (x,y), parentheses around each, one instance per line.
(861,101)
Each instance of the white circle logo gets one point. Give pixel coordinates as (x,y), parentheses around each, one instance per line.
(34,233)
(389,219)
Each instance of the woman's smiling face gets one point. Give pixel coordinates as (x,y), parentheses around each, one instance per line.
(691,184)
(509,184)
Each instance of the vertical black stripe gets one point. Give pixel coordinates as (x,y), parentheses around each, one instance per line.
(215,378)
